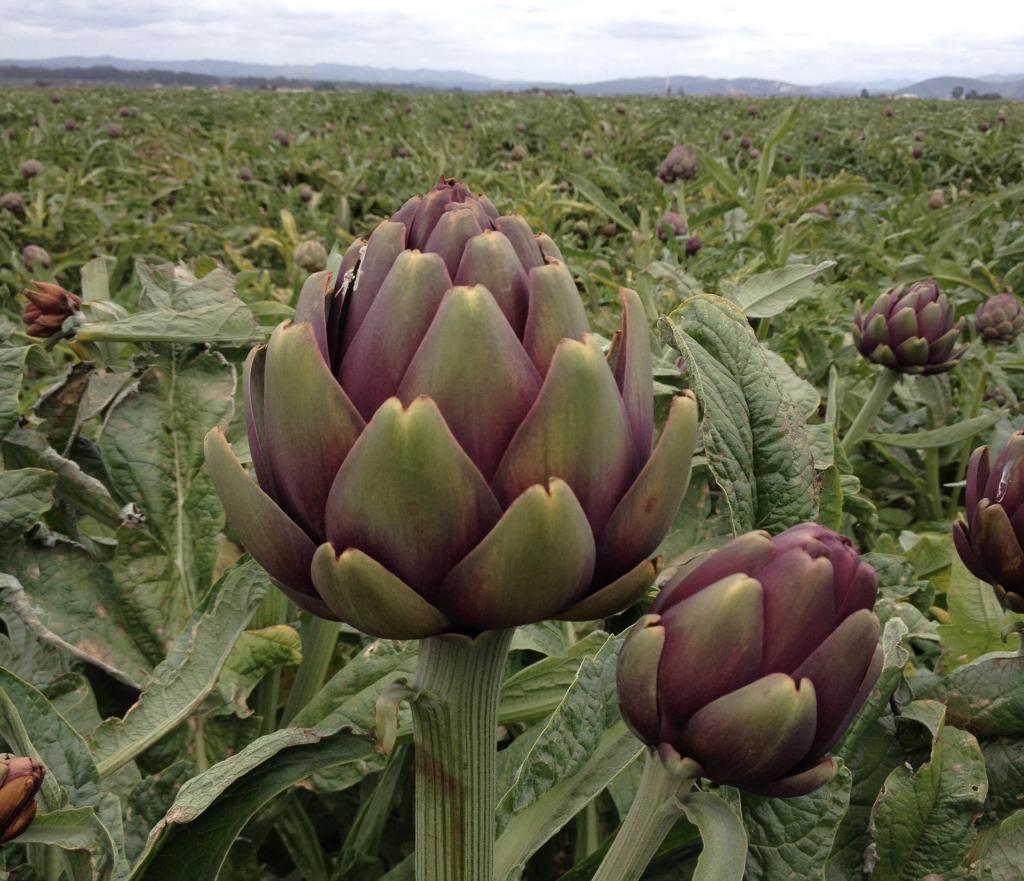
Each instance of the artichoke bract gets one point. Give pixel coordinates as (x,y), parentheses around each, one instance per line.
(49,306)
(909,330)
(20,779)
(441,445)
(755,660)
(990,539)
(1000,319)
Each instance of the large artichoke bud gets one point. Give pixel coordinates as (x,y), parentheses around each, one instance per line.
(1000,319)
(440,444)
(49,306)
(990,539)
(754,661)
(20,779)
(909,330)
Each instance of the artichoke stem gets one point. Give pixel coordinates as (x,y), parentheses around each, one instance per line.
(455,720)
(973,409)
(656,807)
(272,611)
(319,637)
(884,384)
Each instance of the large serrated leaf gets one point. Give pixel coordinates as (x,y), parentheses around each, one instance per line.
(189,672)
(25,494)
(81,831)
(152,448)
(923,820)
(975,622)
(225,324)
(583,746)
(793,837)
(937,438)
(771,293)
(1003,859)
(755,442)
(12,366)
(986,696)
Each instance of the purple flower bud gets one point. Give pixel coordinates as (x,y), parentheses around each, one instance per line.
(999,319)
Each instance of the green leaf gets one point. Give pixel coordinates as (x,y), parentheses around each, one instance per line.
(86,617)
(152,447)
(757,449)
(300,840)
(593,193)
(985,696)
(975,621)
(225,324)
(81,491)
(25,495)
(215,807)
(12,367)
(255,654)
(189,672)
(80,830)
(33,727)
(793,837)
(771,293)
(583,746)
(1003,859)
(936,438)
(723,857)
(923,820)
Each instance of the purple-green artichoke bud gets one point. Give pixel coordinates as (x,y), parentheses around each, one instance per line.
(990,537)
(30,168)
(49,306)
(671,225)
(439,443)
(680,164)
(999,319)
(909,330)
(755,660)
(20,779)
(311,256)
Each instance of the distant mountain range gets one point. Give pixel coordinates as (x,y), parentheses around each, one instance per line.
(211,71)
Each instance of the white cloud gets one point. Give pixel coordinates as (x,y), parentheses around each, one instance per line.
(803,41)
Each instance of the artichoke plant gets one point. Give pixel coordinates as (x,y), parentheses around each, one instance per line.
(20,779)
(990,539)
(440,444)
(754,661)
(909,330)
(1000,319)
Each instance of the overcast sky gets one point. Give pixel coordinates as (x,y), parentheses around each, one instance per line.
(802,41)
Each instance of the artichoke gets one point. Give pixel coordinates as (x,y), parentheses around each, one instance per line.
(440,444)
(680,164)
(49,306)
(20,779)
(1000,319)
(990,539)
(754,661)
(909,330)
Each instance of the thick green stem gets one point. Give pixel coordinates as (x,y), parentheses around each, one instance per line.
(973,408)
(271,612)
(319,637)
(884,384)
(455,717)
(931,467)
(657,806)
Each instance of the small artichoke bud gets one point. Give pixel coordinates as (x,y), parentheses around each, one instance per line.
(13,202)
(620,108)
(30,168)
(937,200)
(245,173)
(520,127)
(983,126)
(48,308)
(889,112)
(909,330)
(114,131)
(20,779)
(745,143)
(311,256)
(1001,118)
(999,319)
(70,125)
(989,536)
(588,152)
(754,110)
(679,164)
(671,226)
(756,658)
(609,231)
(518,153)
(693,245)
(55,99)
(282,137)
(917,152)
(755,153)
(821,210)
(306,193)
(124,112)
(362,188)
(403,152)
(726,135)
(35,255)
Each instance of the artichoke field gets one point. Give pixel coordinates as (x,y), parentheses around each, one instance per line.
(444,486)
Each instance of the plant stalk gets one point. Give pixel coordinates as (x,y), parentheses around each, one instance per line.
(884,384)
(455,718)
(657,806)
(931,467)
(272,611)
(973,408)
(319,637)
